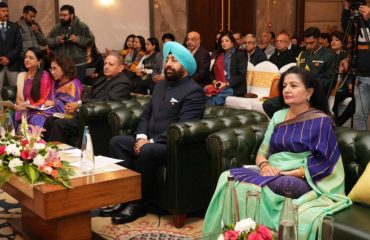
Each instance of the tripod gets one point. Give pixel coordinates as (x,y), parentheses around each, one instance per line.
(354,26)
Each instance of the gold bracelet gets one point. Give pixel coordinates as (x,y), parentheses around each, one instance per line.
(263,164)
(302,172)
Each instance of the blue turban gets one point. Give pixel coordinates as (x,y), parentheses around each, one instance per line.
(182,55)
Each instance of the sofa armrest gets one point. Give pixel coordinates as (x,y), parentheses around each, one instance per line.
(198,130)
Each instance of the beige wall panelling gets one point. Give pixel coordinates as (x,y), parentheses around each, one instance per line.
(45,12)
(324,14)
(280,13)
(112,24)
(169,16)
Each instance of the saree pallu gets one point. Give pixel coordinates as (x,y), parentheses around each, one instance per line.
(70,91)
(306,141)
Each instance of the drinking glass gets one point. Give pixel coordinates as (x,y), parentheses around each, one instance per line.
(327,228)
(253,205)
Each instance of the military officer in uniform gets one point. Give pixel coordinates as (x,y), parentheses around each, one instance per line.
(316,59)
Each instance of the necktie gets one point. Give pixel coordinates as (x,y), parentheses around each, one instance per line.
(3,30)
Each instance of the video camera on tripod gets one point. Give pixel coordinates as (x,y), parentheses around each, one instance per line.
(355,4)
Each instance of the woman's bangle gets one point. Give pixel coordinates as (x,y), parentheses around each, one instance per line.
(263,163)
(302,172)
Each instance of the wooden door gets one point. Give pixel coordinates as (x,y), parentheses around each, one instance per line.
(208,17)
(205,17)
(241,16)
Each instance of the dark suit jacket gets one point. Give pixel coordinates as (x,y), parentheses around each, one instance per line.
(238,69)
(258,56)
(171,102)
(282,58)
(119,87)
(11,47)
(203,59)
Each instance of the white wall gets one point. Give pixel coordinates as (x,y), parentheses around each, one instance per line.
(111,24)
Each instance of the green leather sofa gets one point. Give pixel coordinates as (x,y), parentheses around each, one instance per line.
(95,115)
(235,147)
(186,183)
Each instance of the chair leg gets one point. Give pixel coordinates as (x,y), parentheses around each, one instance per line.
(179,220)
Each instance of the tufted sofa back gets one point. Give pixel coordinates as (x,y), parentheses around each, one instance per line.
(235,147)
(95,115)
(355,151)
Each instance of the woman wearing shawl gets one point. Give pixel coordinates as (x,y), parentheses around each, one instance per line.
(139,47)
(299,156)
(67,87)
(228,72)
(128,50)
(33,90)
(150,65)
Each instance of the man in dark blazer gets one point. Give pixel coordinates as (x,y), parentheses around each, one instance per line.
(201,56)
(10,48)
(255,54)
(282,55)
(113,86)
(176,98)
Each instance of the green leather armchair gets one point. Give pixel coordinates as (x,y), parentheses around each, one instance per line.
(235,147)
(186,183)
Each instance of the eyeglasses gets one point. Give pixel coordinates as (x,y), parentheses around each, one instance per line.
(250,42)
(281,41)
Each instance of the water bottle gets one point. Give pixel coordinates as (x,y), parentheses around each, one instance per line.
(288,225)
(230,210)
(253,205)
(87,153)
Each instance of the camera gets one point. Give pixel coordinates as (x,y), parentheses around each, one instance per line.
(65,37)
(355,4)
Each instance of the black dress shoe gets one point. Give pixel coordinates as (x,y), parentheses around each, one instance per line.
(112,211)
(132,212)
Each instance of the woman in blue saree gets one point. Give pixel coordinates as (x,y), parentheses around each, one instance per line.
(299,155)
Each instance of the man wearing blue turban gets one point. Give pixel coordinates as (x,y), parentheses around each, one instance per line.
(176,98)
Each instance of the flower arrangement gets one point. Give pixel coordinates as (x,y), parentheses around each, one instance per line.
(246,229)
(26,154)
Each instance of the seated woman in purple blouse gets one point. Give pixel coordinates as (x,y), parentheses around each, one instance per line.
(67,87)
(34,88)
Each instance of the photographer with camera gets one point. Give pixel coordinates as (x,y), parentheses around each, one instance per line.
(362,73)
(71,37)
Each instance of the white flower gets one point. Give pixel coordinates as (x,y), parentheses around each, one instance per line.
(39,160)
(15,162)
(12,149)
(220,237)
(245,225)
(39,146)
(48,169)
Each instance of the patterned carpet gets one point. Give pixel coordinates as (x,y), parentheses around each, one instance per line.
(148,227)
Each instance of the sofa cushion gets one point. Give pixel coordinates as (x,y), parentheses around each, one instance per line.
(352,223)
(361,191)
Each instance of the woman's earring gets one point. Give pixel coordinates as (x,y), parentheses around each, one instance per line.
(308,99)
